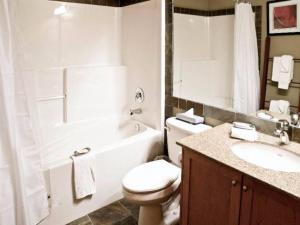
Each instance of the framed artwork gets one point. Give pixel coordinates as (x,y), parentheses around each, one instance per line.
(283,17)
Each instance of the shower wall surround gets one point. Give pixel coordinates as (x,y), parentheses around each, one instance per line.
(214,116)
(112,3)
(85,64)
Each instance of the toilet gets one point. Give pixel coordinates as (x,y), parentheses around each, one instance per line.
(155,185)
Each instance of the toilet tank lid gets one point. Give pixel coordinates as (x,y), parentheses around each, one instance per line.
(172,122)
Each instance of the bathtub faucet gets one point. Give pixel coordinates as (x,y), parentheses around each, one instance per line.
(135,111)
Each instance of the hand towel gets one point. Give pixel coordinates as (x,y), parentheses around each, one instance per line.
(243,134)
(284,81)
(283,71)
(84,175)
(280,106)
(286,63)
(264,115)
(276,68)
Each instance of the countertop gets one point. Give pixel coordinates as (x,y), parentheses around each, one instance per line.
(216,144)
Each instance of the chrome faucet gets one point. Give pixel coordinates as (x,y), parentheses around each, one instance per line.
(295,119)
(135,111)
(282,127)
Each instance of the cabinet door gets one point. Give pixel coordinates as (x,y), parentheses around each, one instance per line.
(264,205)
(211,192)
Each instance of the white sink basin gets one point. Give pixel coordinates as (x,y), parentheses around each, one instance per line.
(267,156)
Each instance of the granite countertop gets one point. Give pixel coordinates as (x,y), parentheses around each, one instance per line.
(215,144)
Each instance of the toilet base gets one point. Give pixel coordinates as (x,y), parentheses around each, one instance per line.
(150,215)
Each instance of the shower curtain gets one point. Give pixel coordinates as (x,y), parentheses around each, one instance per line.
(246,69)
(23,196)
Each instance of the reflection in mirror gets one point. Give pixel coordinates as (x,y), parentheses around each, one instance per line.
(217,56)
(203,58)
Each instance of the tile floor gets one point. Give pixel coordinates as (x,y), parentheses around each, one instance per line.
(118,213)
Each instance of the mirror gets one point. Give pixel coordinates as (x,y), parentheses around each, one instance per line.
(221,58)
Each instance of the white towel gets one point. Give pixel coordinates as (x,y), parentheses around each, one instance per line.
(286,63)
(264,115)
(280,106)
(283,71)
(244,134)
(284,81)
(84,175)
(276,68)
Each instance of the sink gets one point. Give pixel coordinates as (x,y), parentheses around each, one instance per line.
(267,156)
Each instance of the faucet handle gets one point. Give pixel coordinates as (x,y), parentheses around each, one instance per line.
(283,125)
(294,119)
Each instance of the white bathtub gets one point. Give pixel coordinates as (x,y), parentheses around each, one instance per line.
(117,149)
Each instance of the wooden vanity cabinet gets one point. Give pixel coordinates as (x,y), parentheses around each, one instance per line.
(214,194)
(261,204)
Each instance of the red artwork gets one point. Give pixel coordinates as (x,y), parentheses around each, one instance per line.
(285,17)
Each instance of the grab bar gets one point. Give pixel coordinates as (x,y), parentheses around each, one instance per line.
(82,151)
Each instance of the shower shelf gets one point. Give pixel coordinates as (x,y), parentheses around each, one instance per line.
(51,98)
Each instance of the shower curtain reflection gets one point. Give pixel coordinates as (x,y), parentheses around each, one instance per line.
(246,69)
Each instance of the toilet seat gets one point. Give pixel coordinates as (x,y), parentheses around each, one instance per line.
(151,177)
(152,198)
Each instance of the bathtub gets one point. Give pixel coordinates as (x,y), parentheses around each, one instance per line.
(117,147)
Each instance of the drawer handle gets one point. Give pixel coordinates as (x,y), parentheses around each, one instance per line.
(234,182)
(245,188)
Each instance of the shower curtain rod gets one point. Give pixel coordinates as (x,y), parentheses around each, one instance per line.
(241,1)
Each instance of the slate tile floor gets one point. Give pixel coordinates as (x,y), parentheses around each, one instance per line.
(118,213)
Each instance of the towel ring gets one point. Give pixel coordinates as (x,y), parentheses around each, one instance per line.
(82,151)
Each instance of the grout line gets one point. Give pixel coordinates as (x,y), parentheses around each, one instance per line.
(90,219)
(125,208)
(131,215)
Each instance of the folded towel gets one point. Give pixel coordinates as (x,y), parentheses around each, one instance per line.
(244,134)
(280,106)
(286,63)
(284,81)
(283,71)
(84,175)
(264,115)
(276,68)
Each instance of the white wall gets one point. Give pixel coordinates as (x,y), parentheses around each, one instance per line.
(191,44)
(141,44)
(203,59)
(86,35)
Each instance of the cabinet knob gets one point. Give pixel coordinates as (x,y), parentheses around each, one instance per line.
(234,182)
(245,188)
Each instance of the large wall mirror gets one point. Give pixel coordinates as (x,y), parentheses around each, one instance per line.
(221,59)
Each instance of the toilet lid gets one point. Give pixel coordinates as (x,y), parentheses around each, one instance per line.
(152,176)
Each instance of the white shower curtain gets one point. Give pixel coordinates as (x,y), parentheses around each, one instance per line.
(23,197)
(246,69)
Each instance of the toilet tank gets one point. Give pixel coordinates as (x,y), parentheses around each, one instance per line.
(177,130)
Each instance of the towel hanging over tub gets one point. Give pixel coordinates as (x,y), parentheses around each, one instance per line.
(84,175)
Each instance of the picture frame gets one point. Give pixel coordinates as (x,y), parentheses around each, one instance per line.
(283,17)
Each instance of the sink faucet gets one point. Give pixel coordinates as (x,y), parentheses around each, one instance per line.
(135,111)
(282,127)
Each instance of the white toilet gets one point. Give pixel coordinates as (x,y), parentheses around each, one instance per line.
(152,185)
